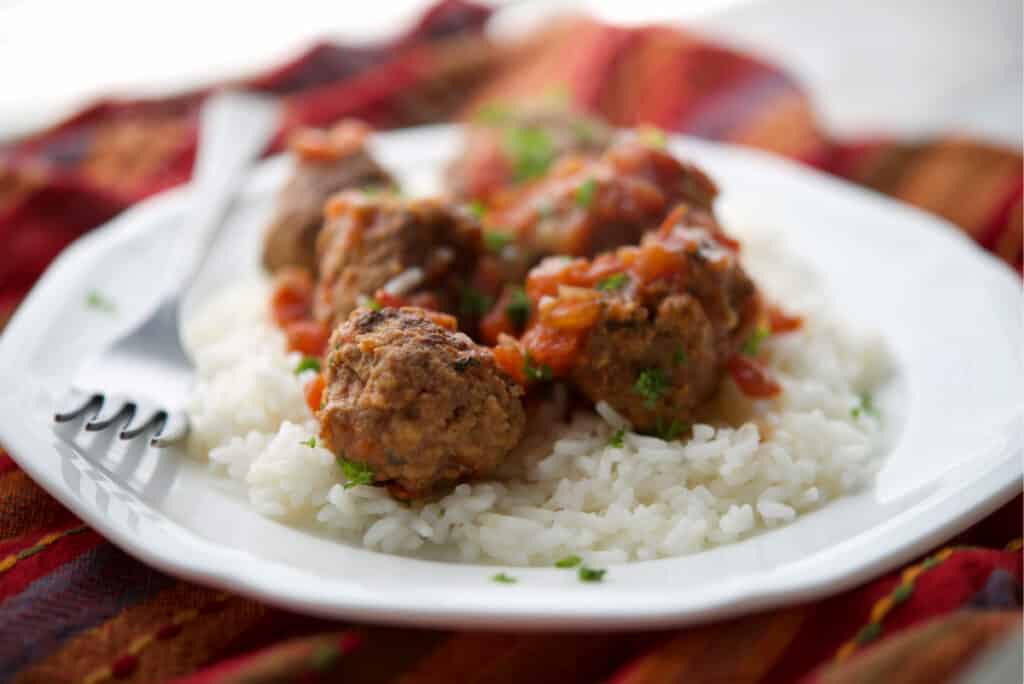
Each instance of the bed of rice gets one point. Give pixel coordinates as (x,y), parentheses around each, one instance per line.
(566,490)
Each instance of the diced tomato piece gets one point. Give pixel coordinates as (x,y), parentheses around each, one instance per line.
(557,349)
(314,392)
(780,322)
(569,312)
(390,301)
(509,358)
(497,322)
(442,319)
(292,296)
(752,378)
(545,278)
(654,261)
(308,337)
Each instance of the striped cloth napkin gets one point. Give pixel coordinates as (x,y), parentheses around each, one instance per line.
(73,608)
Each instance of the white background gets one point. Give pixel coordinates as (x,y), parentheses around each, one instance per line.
(873,66)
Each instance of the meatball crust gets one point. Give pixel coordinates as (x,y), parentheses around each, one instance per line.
(370,240)
(327,162)
(422,406)
(674,342)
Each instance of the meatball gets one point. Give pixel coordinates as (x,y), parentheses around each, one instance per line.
(419,252)
(422,406)
(327,162)
(585,206)
(648,329)
(507,146)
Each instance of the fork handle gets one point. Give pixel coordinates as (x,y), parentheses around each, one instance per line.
(234,129)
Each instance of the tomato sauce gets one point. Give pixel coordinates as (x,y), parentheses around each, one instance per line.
(752,378)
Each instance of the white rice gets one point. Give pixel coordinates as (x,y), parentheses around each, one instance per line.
(566,490)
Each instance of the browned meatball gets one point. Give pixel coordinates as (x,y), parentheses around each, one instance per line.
(505,146)
(422,406)
(648,329)
(421,249)
(326,162)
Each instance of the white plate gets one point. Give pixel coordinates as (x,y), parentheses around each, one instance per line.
(950,315)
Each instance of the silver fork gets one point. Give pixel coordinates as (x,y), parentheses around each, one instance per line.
(143,378)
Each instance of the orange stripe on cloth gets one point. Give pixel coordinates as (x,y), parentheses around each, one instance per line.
(737,651)
(171,634)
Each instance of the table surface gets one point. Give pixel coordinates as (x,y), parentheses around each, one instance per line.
(913,68)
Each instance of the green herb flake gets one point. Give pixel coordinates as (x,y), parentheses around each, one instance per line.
(616,440)
(668,430)
(477,208)
(308,363)
(311,442)
(355,473)
(613,282)
(590,574)
(569,562)
(495,240)
(651,384)
(585,193)
(460,365)
(679,358)
(502,578)
(493,114)
(98,301)
(518,308)
(474,303)
(652,136)
(531,151)
(866,406)
(373,304)
(753,343)
(535,373)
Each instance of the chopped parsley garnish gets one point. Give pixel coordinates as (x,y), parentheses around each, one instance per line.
(651,384)
(531,151)
(569,562)
(679,358)
(502,578)
(308,363)
(668,431)
(590,574)
(866,406)
(613,282)
(584,131)
(533,372)
(311,442)
(495,240)
(472,302)
(372,303)
(616,439)
(355,473)
(753,343)
(518,308)
(493,114)
(460,365)
(96,300)
(477,208)
(652,136)
(585,193)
